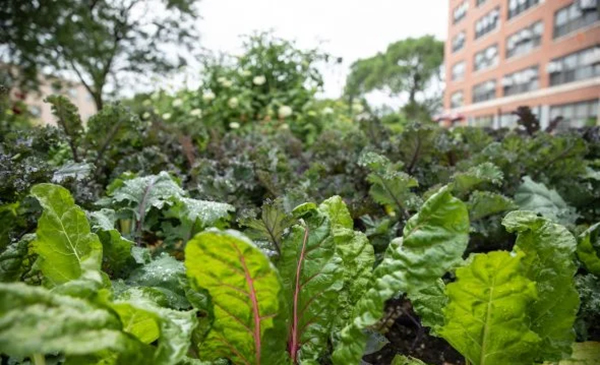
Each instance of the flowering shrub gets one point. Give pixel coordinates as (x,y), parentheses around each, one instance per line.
(271,86)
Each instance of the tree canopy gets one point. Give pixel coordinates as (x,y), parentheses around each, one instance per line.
(99,41)
(406,66)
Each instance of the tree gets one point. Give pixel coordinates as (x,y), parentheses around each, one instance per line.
(101,42)
(407,66)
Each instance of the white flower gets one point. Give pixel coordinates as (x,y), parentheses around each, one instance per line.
(146,115)
(147,102)
(208,96)
(166,116)
(234,125)
(224,82)
(177,103)
(259,80)
(196,112)
(245,73)
(155,96)
(328,111)
(357,108)
(284,126)
(284,111)
(233,102)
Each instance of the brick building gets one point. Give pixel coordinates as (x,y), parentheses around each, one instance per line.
(501,54)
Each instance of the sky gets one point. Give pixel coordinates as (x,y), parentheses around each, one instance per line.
(351,29)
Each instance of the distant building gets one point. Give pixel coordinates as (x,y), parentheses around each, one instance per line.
(42,111)
(501,54)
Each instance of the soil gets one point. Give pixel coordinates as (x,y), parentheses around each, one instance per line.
(407,337)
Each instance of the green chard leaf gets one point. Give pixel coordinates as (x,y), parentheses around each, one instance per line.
(483,204)
(246,295)
(486,173)
(357,256)
(433,243)
(549,251)
(588,249)
(116,250)
(312,276)
(194,216)
(271,225)
(390,186)
(486,317)
(36,320)
(64,243)
(539,199)
(13,259)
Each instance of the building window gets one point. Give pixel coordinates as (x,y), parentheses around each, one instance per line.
(457,99)
(481,2)
(487,23)
(73,93)
(35,111)
(486,121)
(484,91)
(516,7)
(577,66)
(579,14)
(525,40)
(458,71)
(486,58)
(576,115)
(458,42)
(508,121)
(460,12)
(521,81)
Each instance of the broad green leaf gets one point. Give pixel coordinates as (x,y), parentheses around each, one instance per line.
(64,242)
(13,258)
(356,253)
(194,216)
(311,275)
(271,224)
(429,304)
(486,173)
(245,291)
(482,204)
(538,198)
(166,275)
(486,318)
(116,250)
(141,316)
(75,171)
(35,320)
(143,193)
(588,249)
(390,186)
(584,353)
(433,243)
(549,251)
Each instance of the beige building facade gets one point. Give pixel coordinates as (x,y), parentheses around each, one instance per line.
(544,54)
(42,111)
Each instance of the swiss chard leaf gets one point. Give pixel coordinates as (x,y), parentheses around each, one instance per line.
(588,249)
(486,317)
(483,204)
(246,295)
(390,186)
(311,275)
(116,250)
(538,198)
(64,243)
(34,320)
(271,224)
(486,173)
(549,262)
(433,242)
